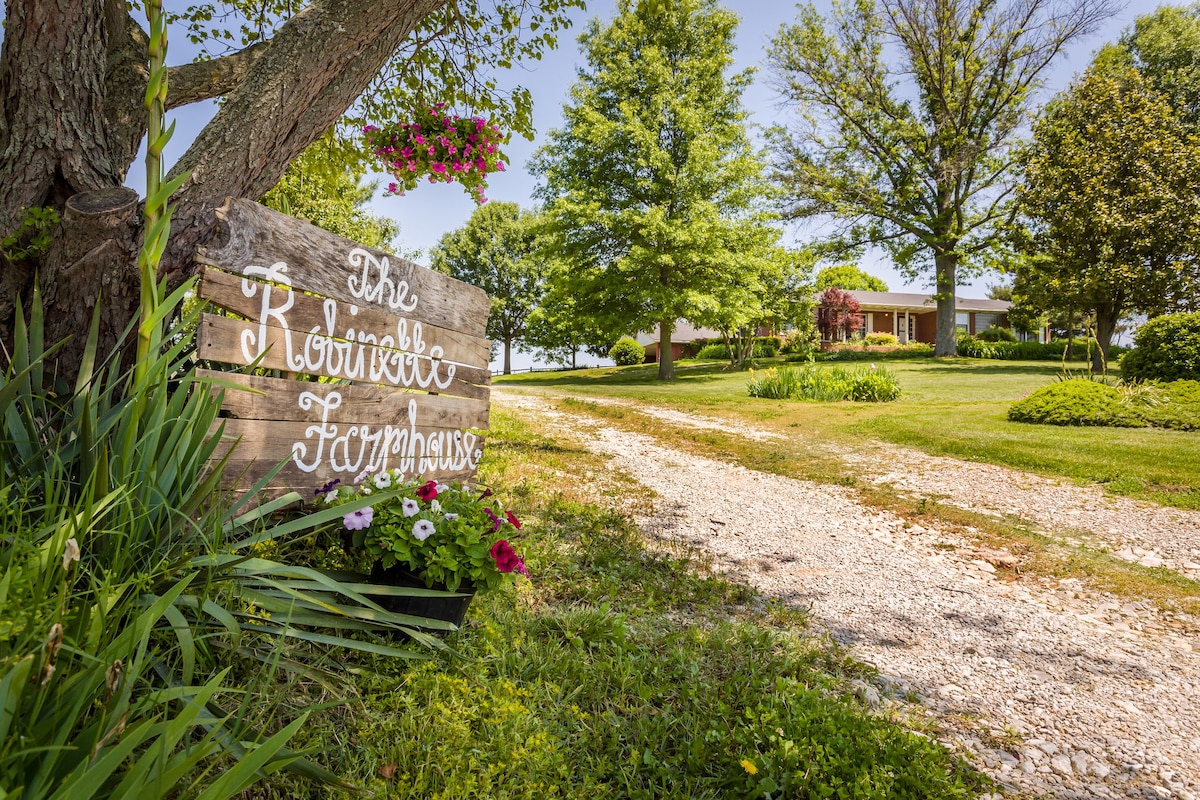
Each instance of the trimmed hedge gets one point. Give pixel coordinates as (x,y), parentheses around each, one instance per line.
(1166,348)
(973,347)
(1080,401)
(914,350)
(764,347)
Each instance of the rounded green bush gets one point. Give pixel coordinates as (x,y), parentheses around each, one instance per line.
(881,340)
(627,352)
(994,334)
(1078,401)
(1166,348)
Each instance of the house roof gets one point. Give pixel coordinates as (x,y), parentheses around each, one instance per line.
(684,332)
(886,301)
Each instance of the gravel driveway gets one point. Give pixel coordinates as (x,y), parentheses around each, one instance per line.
(1051,688)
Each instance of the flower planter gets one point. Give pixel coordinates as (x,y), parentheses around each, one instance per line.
(449,608)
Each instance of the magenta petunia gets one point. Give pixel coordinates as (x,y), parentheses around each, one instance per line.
(513,519)
(506,558)
(427,491)
(496,521)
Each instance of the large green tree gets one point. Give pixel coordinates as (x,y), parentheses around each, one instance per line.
(652,188)
(332,196)
(908,111)
(849,277)
(497,250)
(1112,198)
(73,81)
(1164,47)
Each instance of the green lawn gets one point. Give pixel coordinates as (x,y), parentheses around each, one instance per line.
(618,671)
(954,407)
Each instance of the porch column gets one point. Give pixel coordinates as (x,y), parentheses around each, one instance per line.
(907,326)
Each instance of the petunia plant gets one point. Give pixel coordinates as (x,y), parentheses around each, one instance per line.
(452,535)
(440,148)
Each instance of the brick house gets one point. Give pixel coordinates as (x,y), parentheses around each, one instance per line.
(913,317)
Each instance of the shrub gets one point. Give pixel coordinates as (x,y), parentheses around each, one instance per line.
(994,334)
(764,347)
(863,384)
(627,352)
(881,340)
(1166,348)
(1077,401)
(801,343)
(910,350)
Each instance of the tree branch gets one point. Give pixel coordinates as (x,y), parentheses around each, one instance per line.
(204,80)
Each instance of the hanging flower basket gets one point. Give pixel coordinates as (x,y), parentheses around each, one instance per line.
(440,148)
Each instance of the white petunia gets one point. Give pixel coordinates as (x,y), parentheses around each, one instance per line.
(409,507)
(435,506)
(422,530)
(451,516)
(362,476)
(382,480)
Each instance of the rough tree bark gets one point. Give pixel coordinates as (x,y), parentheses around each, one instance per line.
(945,269)
(72,76)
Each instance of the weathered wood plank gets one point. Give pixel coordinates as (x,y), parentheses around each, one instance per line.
(281,399)
(318,453)
(254,240)
(299,312)
(226,340)
(241,474)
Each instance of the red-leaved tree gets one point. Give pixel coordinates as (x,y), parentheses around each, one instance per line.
(838,314)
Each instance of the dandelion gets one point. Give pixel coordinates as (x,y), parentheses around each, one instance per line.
(748,765)
(422,530)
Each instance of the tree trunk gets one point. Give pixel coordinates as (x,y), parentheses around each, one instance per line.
(70,74)
(946,268)
(508,356)
(1106,323)
(666,358)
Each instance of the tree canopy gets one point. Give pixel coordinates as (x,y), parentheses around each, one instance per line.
(652,189)
(850,277)
(286,73)
(907,112)
(1112,197)
(497,250)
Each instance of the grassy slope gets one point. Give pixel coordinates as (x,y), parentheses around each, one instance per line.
(620,671)
(955,408)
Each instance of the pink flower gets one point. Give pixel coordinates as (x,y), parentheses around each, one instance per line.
(506,558)
(407,152)
(392,188)
(369,129)
(438,167)
(480,164)
(428,490)
(496,521)
(359,520)
(500,166)
(513,519)
(419,139)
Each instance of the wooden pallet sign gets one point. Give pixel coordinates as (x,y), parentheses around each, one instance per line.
(402,348)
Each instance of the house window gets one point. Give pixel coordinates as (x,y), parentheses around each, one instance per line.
(985,321)
(962,321)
